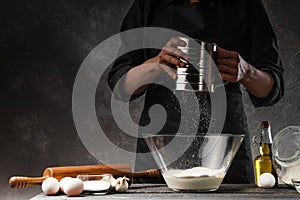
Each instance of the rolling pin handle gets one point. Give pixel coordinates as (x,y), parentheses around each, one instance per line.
(151,173)
(22,182)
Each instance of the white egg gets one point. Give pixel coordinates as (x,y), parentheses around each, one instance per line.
(50,186)
(266,180)
(62,182)
(73,187)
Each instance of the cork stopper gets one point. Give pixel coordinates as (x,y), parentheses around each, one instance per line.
(265,124)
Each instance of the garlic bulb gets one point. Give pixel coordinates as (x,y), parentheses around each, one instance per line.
(121,184)
(111,180)
(106,178)
(112,183)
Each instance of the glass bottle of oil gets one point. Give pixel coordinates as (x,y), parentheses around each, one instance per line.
(263,162)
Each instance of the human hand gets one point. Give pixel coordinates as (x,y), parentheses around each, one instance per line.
(168,56)
(231,65)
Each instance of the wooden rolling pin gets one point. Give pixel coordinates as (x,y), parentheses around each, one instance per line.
(117,170)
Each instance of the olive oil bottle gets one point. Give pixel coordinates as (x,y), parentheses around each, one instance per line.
(263,162)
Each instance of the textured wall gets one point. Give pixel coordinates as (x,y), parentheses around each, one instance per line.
(42,46)
(285,17)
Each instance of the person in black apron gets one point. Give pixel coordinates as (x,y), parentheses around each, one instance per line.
(247,52)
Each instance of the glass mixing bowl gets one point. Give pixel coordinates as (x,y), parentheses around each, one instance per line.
(194,163)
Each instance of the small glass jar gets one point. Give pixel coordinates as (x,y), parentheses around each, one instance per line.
(296,184)
(286,154)
(96,184)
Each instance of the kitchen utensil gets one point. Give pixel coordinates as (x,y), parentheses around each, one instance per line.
(117,170)
(96,184)
(286,154)
(296,184)
(194,163)
(199,71)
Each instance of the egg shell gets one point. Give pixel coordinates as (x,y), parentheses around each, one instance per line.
(73,187)
(62,182)
(267,180)
(50,186)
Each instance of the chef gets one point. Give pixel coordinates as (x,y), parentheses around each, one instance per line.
(247,55)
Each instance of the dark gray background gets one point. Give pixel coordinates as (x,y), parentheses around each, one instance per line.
(42,46)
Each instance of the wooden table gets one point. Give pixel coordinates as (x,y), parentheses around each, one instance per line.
(161,191)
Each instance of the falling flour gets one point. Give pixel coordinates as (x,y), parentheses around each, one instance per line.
(197,178)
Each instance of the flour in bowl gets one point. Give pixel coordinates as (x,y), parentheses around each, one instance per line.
(197,178)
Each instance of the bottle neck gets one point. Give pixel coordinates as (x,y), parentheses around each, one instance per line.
(266,140)
(266,136)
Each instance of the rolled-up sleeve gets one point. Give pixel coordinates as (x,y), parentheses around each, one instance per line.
(118,72)
(264,52)
(124,63)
